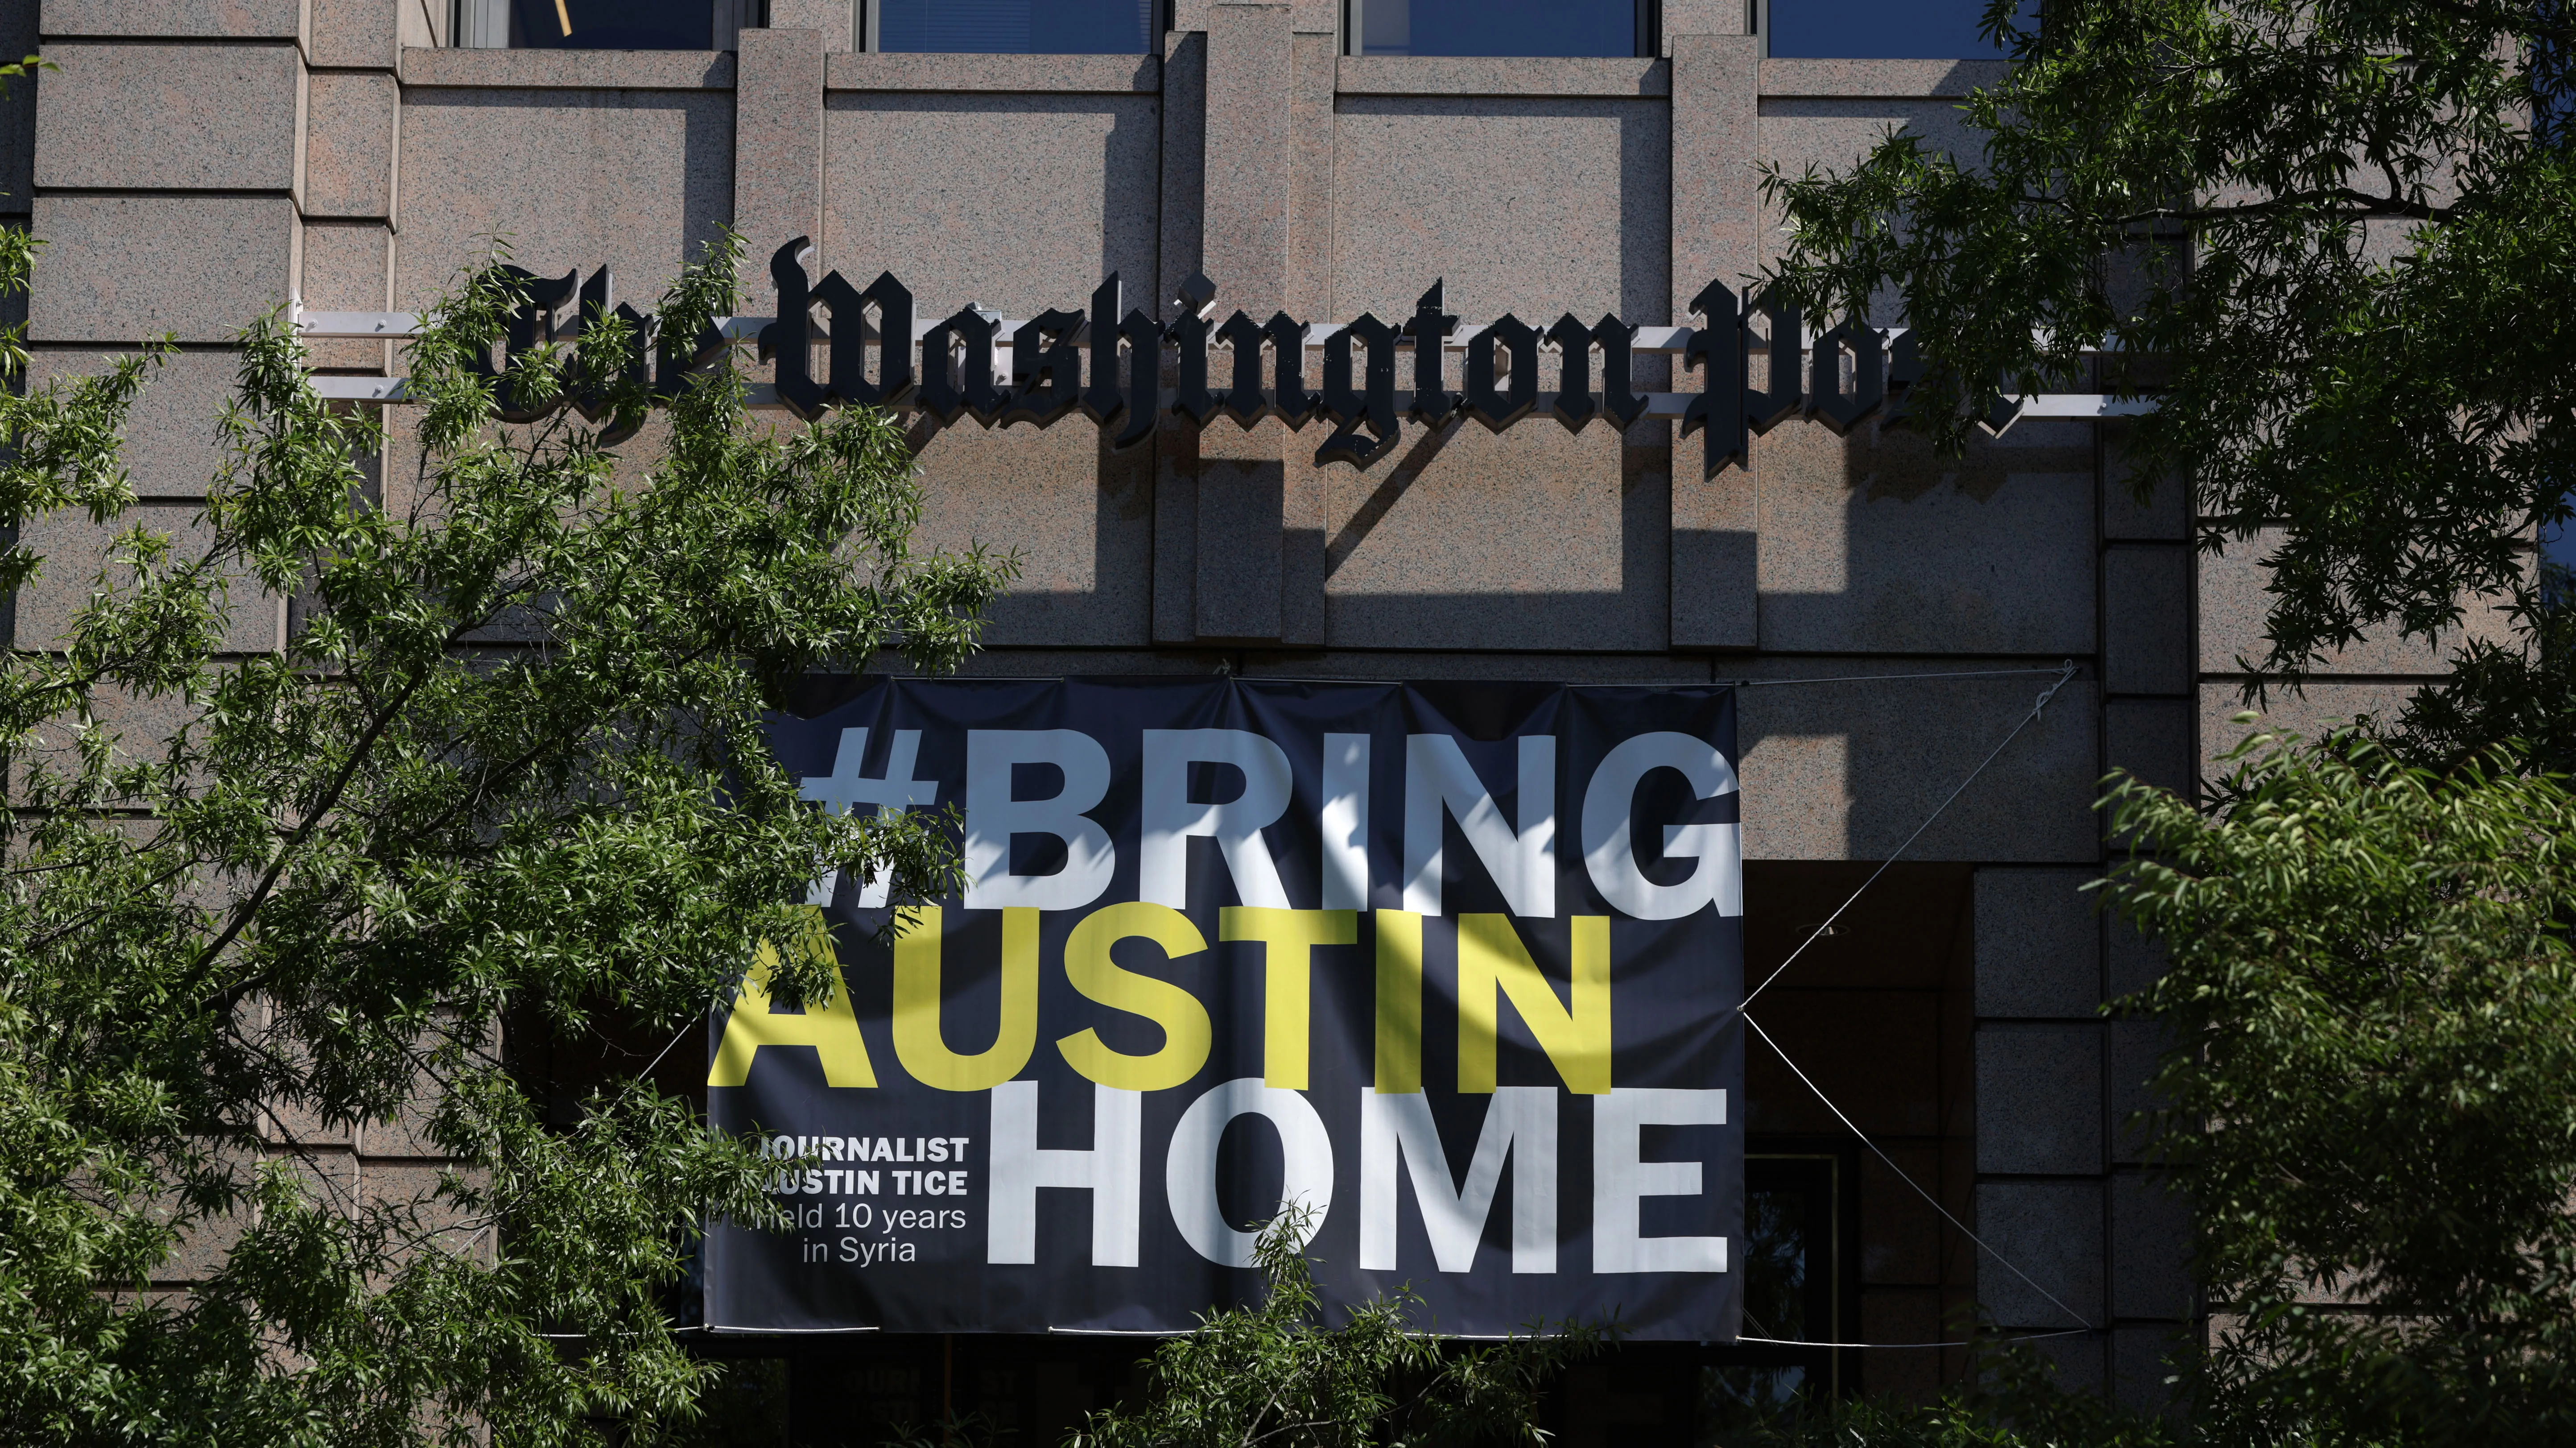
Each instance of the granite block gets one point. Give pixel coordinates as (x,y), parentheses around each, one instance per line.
(2075,1364)
(1536,206)
(2156,740)
(1183,182)
(1311,110)
(2039,1099)
(424,66)
(2150,1249)
(122,268)
(359,33)
(1176,536)
(1518,77)
(1251,61)
(1716,194)
(1879,79)
(190,19)
(1872,542)
(1080,516)
(1850,770)
(2039,950)
(205,1240)
(1701,17)
(2308,713)
(349,145)
(1715,569)
(171,446)
(2165,516)
(2147,620)
(2234,606)
(637,181)
(1011,74)
(965,169)
(348,267)
(169,117)
(832,20)
(2147,1365)
(2130,962)
(414,1198)
(76,551)
(1241,512)
(1462,539)
(2136,1049)
(2052,1232)
(778,154)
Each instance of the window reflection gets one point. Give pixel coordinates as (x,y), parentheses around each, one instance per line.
(1494,27)
(610,25)
(1877,29)
(1015,27)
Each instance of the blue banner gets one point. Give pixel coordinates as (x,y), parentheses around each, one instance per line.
(1450,966)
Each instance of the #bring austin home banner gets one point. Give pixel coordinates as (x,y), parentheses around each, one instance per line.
(1449,965)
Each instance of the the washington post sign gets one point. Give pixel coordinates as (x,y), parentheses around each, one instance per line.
(1450,966)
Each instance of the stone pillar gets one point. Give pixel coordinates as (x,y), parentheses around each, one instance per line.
(778,154)
(1716,236)
(1251,70)
(2041,1120)
(2149,728)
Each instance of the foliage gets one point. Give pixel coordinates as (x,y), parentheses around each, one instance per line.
(2014,1404)
(2372,1087)
(510,754)
(2332,236)
(1276,1373)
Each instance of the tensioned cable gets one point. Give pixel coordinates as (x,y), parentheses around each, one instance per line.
(1909,1181)
(2064,672)
(1963,1342)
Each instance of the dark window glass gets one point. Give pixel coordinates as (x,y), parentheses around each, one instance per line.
(1789,1266)
(612,24)
(1017,27)
(1878,29)
(1494,27)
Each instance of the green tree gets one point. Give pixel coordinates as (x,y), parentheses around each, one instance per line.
(2333,237)
(1276,1373)
(2373,1091)
(509,760)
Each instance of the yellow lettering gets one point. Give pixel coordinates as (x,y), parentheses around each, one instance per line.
(1289,938)
(1399,1002)
(828,1026)
(918,1040)
(1491,960)
(1184,1021)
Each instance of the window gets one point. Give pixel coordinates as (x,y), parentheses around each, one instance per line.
(1795,1228)
(603,24)
(1499,27)
(1875,29)
(1015,27)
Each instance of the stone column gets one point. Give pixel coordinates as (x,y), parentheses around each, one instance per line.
(1716,229)
(778,154)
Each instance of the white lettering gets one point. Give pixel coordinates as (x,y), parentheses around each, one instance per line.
(1111,1171)
(1345,821)
(1620,1178)
(1170,818)
(1521,1122)
(1610,847)
(993,816)
(1189,1173)
(892,795)
(1437,777)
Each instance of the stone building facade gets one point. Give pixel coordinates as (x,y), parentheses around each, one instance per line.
(197,161)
